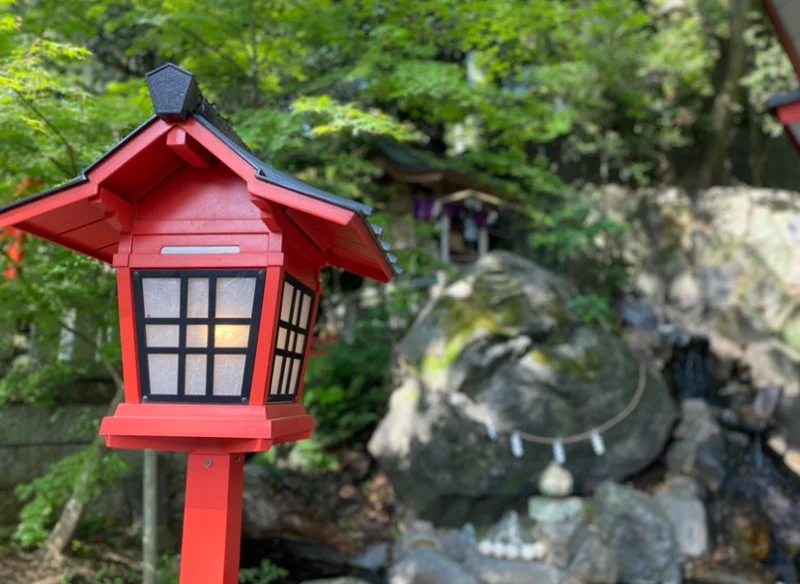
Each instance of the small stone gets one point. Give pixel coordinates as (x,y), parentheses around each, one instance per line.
(556,481)
(374,558)
(485,548)
(640,314)
(498,549)
(688,517)
(533,551)
(512,551)
(686,486)
(528,552)
(549,510)
(684,291)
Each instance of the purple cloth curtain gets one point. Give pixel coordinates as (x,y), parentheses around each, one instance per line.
(453,209)
(423,209)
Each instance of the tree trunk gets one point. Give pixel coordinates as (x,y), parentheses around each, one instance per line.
(722,109)
(150,530)
(64,530)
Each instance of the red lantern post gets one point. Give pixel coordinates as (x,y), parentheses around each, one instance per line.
(218,260)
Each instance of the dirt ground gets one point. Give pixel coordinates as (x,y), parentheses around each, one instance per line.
(18,567)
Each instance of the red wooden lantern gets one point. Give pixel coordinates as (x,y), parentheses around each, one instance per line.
(785,15)
(786,18)
(787,108)
(15,251)
(218,260)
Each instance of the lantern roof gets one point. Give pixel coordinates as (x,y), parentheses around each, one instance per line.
(783,99)
(785,15)
(82,214)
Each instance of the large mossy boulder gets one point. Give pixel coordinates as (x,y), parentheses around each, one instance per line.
(501,348)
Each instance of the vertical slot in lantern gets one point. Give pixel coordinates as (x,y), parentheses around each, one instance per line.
(292,340)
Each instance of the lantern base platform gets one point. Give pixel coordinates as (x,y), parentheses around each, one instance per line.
(206,428)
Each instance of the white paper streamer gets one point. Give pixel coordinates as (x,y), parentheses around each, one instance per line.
(516,445)
(558,452)
(598,445)
(490,431)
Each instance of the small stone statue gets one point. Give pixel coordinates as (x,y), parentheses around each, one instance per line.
(556,481)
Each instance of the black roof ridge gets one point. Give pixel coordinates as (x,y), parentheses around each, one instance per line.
(782,99)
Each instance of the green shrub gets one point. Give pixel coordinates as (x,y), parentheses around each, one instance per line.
(266,573)
(44,496)
(346,385)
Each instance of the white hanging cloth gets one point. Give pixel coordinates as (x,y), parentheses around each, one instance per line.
(516,445)
(558,452)
(598,445)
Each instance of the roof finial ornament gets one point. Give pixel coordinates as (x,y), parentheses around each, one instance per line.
(174,92)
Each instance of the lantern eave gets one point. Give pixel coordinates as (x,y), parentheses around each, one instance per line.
(185,427)
(776,102)
(341,228)
(785,22)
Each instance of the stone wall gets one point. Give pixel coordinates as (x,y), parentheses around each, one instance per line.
(32,439)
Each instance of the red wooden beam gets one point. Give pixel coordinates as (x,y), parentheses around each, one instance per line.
(118,212)
(188,148)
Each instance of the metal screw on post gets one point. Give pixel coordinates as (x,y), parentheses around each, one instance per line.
(208,463)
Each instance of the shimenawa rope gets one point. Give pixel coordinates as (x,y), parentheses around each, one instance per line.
(575,438)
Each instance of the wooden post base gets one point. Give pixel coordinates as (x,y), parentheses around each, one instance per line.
(212,524)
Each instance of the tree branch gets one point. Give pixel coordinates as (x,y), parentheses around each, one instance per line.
(37,112)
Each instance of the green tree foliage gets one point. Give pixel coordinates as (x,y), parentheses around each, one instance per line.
(47,494)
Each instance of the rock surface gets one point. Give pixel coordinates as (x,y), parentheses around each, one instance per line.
(636,528)
(345,580)
(497,571)
(425,565)
(740,247)
(699,445)
(549,510)
(593,562)
(501,347)
(269,512)
(688,517)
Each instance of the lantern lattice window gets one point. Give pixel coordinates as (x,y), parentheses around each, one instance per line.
(197,333)
(296,311)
